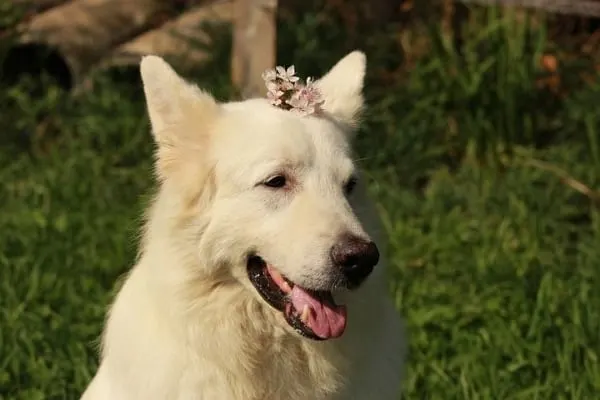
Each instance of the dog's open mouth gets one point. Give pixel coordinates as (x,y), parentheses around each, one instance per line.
(311,313)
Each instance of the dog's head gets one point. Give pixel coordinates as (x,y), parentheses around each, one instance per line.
(264,195)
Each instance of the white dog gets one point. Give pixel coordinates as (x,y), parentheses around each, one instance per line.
(256,227)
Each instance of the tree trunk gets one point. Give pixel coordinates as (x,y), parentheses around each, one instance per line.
(83,31)
(178,39)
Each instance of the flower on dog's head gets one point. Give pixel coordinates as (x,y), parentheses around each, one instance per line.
(286,91)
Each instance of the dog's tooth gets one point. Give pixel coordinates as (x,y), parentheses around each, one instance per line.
(305,313)
(286,287)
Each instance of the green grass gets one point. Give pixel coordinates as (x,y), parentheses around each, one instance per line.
(495,260)
(498,278)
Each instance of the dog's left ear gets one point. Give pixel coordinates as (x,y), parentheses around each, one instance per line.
(181,116)
(342,88)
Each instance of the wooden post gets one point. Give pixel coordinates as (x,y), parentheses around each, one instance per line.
(254,44)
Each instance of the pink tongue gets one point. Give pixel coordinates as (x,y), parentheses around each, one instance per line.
(326,319)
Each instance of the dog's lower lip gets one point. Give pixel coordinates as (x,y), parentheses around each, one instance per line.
(260,279)
(277,290)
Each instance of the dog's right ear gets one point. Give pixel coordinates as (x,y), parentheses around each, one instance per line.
(169,99)
(181,116)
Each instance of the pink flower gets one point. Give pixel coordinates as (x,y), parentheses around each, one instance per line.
(274,93)
(284,90)
(275,99)
(307,100)
(287,75)
(269,75)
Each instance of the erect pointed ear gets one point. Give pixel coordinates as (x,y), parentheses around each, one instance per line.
(342,88)
(170,99)
(181,116)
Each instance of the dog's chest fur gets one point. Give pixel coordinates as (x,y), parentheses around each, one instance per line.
(263,360)
(230,347)
(276,369)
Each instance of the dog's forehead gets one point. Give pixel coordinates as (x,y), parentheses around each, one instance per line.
(256,131)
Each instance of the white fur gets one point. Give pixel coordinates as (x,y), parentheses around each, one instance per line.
(187,323)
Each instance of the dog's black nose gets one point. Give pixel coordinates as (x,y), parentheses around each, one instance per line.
(356,257)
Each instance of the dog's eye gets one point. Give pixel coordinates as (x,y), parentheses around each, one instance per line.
(350,185)
(276,182)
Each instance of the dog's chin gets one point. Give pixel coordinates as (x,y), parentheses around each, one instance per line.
(311,313)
